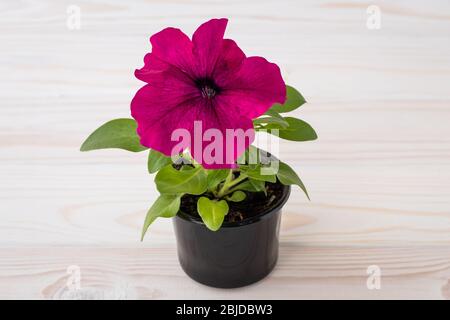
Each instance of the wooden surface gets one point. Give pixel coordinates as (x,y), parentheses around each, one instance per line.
(379,175)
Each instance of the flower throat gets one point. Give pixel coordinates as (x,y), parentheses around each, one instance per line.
(208,88)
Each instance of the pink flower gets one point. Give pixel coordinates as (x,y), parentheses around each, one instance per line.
(207,79)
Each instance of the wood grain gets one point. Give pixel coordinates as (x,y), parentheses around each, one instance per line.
(379,175)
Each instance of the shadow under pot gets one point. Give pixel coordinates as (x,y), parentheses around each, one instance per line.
(238,254)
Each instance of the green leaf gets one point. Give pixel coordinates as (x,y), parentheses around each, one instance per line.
(216,176)
(256,174)
(251,185)
(237,196)
(287,176)
(274,114)
(157,160)
(250,155)
(172,181)
(212,212)
(165,206)
(118,133)
(293,101)
(298,130)
(259,186)
(253,156)
(271,120)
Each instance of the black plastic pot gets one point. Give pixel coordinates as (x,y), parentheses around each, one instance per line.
(238,254)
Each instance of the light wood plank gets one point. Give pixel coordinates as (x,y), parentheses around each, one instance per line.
(379,175)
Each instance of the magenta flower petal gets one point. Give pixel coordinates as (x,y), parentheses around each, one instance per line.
(207,41)
(162,74)
(222,119)
(160,111)
(207,81)
(229,61)
(255,87)
(174,47)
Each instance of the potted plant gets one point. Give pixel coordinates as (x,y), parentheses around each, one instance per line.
(197,115)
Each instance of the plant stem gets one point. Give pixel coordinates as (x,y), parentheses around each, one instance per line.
(229,177)
(229,183)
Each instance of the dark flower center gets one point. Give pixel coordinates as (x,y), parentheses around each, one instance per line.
(208,88)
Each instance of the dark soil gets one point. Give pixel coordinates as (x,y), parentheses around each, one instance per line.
(254,204)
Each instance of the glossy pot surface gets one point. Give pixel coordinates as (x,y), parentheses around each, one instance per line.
(238,254)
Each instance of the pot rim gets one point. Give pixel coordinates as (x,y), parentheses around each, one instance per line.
(263,215)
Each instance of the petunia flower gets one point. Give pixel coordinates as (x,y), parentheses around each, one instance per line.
(207,79)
